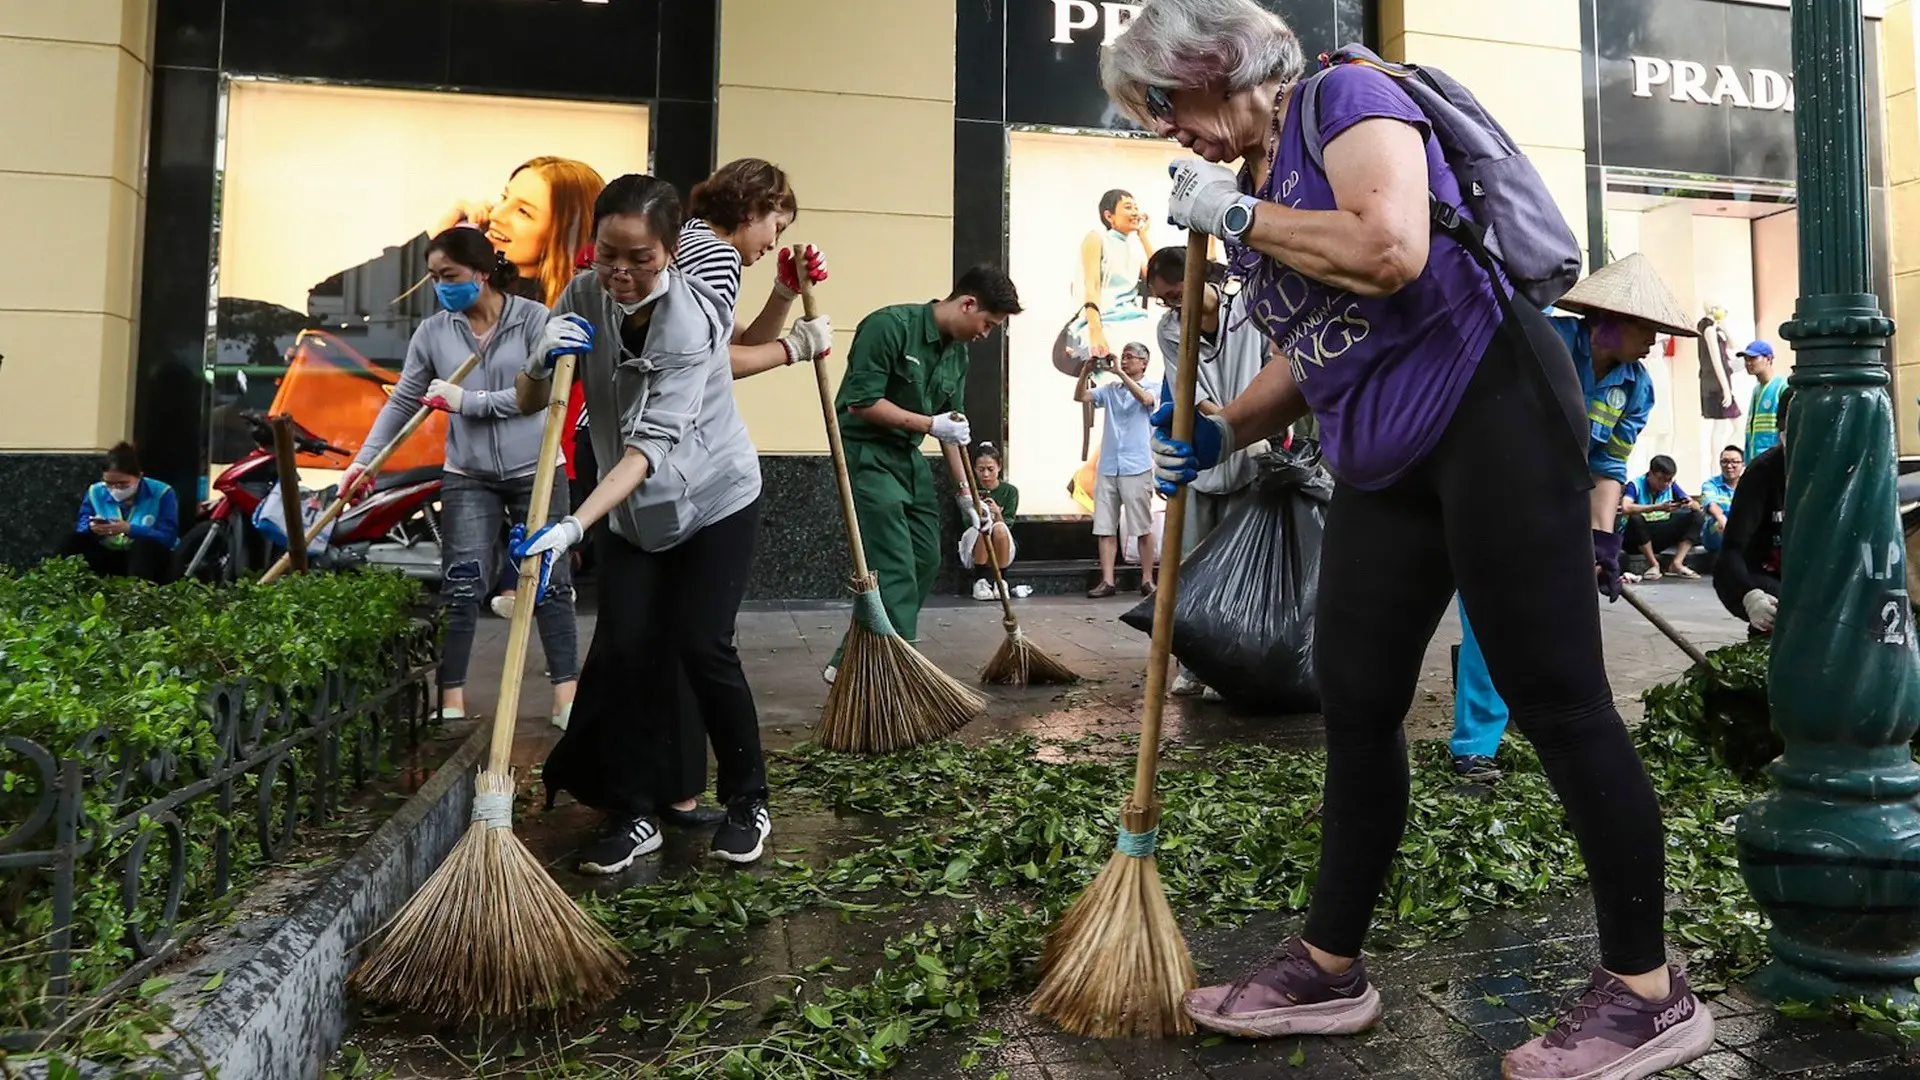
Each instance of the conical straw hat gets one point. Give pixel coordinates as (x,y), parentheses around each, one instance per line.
(1629,287)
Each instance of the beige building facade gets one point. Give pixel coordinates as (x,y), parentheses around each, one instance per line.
(922,136)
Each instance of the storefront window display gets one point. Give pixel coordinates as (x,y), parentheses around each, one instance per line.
(327,196)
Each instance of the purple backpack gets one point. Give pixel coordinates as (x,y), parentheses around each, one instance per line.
(1519,223)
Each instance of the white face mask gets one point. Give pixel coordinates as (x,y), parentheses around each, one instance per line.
(659,290)
(123,494)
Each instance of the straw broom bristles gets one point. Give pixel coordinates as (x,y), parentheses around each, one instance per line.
(490,934)
(1019,662)
(886,696)
(1116,964)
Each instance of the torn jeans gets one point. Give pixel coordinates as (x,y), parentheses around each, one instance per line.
(472,511)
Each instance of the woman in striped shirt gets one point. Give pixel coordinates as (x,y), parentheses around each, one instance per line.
(736,216)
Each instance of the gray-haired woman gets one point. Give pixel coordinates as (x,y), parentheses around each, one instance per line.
(1426,379)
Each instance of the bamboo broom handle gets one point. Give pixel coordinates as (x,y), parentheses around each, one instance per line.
(506,713)
(1168,594)
(342,499)
(834,445)
(993,556)
(1661,624)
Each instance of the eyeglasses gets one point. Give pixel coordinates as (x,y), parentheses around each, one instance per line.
(1159,103)
(613,269)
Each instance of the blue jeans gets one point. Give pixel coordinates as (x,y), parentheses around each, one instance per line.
(471,511)
(1479,715)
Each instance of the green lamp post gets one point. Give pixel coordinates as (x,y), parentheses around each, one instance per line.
(1832,854)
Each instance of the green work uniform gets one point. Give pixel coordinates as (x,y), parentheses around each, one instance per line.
(898,354)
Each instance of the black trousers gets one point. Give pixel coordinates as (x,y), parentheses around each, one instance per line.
(661,614)
(1665,533)
(1390,564)
(148,559)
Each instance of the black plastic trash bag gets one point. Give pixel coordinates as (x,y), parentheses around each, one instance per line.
(1244,623)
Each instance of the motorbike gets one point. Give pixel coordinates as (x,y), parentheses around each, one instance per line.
(396,525)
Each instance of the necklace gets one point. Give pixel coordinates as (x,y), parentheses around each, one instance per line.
(1272,143)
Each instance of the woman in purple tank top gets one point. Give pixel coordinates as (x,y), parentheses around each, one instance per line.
(1425,381)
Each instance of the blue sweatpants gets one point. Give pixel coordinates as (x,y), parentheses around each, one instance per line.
(1479,716)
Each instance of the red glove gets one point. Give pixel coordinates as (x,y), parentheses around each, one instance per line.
(788,282)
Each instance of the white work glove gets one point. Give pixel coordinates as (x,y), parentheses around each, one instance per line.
(1761,607)
(1202,192)
(952,430)
(810,339)
(565,335)
(443,395)
(786,279)
(550,542)
(969,514)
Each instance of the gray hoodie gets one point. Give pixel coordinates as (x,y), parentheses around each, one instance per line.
(673,404)
(488,439)
(1228,364)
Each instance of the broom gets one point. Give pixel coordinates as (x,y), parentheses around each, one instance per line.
(1019,662)
(1116,964)
(886,696)
(491,933)
(345,497)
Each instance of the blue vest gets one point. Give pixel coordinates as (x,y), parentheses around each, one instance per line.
(143,512)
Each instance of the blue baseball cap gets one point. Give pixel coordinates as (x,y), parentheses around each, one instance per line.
(1758,348)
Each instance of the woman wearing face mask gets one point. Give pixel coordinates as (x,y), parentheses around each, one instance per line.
(735,217)
(128,523)
(491,447)
(680,491)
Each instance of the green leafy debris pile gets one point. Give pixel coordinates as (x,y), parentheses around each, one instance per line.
(81,655)
(1011,832)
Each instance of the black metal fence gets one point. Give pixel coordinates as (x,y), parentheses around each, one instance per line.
(279,757)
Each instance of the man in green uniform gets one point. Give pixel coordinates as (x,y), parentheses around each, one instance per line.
(906,375)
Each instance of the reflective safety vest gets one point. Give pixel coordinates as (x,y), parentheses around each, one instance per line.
(1763,417)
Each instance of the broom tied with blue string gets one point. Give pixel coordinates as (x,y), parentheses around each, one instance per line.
(885,695)
(1116,965)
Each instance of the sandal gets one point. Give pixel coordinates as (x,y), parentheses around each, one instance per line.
(1652,574)
(1685,571)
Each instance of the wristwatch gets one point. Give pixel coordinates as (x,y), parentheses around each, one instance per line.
(1238,219)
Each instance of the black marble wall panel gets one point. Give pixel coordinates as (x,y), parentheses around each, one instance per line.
(802,553)
(42,496)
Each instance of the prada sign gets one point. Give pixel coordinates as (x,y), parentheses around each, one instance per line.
(1688,80)
(1702,88)
(1052,72)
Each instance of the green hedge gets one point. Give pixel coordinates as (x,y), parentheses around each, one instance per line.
(80,653)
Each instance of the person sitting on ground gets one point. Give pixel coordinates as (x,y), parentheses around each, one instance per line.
(1123,495)
(1003,502)
(1747,576)
(1659,513)
(129,522)
(1716,496)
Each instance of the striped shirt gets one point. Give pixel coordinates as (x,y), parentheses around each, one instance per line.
(705,256)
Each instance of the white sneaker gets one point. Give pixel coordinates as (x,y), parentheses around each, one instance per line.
(565,714)
(502,606)
(1021,592)
(1185,685)
(829,674)
(983,590)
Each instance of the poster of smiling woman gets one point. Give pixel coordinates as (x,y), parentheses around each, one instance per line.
(327,198)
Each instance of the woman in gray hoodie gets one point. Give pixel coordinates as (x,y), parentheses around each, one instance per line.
(679,489)
(491,448)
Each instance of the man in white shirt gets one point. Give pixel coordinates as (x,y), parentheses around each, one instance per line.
(1123,493)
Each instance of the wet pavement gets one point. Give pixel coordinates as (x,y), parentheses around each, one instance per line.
(1452,1006)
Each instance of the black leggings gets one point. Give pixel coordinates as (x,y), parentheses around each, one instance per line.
(1391,562)
(661,614)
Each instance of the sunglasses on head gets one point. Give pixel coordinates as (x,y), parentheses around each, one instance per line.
(1159,103)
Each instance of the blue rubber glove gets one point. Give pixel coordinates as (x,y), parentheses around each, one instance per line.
(1606,563)
(550,542)
(1175,463)
(565,335)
